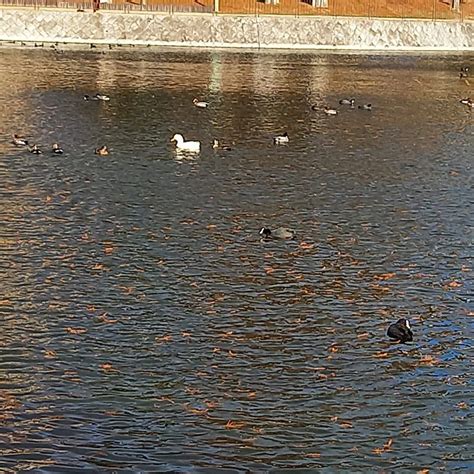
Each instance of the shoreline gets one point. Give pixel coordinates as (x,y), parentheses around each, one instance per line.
(233,32)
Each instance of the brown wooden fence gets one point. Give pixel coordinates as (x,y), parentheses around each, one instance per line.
(431,9)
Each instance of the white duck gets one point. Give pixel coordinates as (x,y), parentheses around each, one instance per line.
(20,141)
(278,140)
(200,103)
(329,111)
(183,145)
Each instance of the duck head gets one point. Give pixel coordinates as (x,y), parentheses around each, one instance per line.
(265,232)
(404,323)
(177,138)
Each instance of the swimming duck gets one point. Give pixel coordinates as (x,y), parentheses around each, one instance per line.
(329,111)
(200,103)
(216,144)
(35,150)
(19,141)
(281,233)
(56,149)
(400,331)
(102,151)
(365,107)
(350,102)
(466,101)
(279,139)
(464,72)
(102,97)
(185,145)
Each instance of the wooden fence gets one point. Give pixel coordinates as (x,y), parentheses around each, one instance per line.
(432,9)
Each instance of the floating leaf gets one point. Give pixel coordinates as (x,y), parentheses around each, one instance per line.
(167,399)
(378,450)
(107,367)
(75,330)
(428,360)
(163,339)
(50,354)
(384,276)
(232,425)
(388,445)
(345,424)
(104,317)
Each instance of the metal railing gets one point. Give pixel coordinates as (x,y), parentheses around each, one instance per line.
(459,10)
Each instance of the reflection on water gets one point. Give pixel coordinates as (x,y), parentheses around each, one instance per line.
(146,327)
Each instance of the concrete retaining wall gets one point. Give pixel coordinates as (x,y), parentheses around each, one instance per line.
(207,30)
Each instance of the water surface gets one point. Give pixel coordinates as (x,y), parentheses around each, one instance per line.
(145,327)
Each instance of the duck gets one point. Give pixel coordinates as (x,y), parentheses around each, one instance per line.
(365,107)
(469,102)
(97,97)
(102,151)
(279,139)
(56,149)
(19,141)
(35,150)
(181,144)
(400,331)
(464,72)
(280,233)
(200,103)
(329,111)
(350,102)
(102,97)
(216,144)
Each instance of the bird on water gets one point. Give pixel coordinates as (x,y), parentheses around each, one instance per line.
(279,139)
(281,233)
(19,141)
(400,331)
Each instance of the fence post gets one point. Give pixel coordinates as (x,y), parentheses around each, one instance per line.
(216,6)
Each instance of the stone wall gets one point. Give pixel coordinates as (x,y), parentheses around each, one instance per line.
(208,30)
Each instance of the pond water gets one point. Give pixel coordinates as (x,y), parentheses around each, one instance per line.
(146,327)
